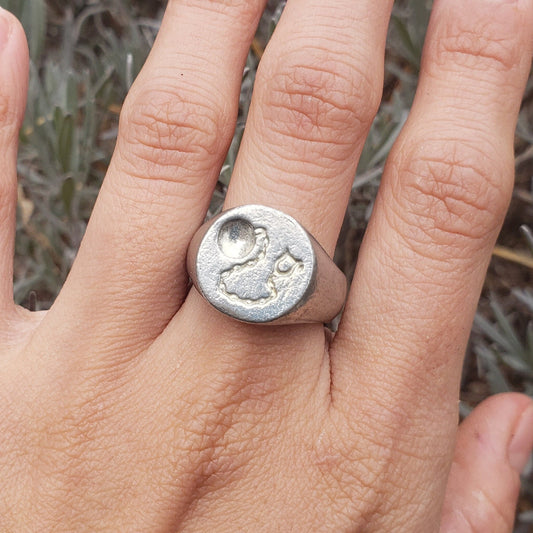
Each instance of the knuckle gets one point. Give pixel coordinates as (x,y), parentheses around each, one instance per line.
(451,195)
(373,474)
(395,455)
(317,97)
(484,48)
(165,129)
(347,475)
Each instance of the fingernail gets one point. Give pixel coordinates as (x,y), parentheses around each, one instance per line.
(5,27)
(522,441)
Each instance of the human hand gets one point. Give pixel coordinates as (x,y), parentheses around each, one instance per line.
(133,406)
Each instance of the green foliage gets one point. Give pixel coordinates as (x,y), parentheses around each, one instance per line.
(502,343)
(409,23)
(83,61)
(33,15)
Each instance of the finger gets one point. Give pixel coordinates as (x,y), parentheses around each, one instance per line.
(175,128)
(492,448)
(317,90)
(316,93)
(13,90)
(442,201)
(398,352)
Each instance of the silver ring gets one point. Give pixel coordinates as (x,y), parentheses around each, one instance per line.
(257,264)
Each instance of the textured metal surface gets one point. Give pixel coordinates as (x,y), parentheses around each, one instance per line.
(257,264)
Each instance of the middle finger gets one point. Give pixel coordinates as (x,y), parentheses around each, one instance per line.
(317,91)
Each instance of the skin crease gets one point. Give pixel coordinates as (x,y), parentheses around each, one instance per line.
(133,406)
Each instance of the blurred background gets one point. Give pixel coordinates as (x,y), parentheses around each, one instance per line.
(85,55)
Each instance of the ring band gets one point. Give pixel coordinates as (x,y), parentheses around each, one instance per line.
(257,264)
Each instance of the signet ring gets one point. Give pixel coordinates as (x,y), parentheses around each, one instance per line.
(259,265)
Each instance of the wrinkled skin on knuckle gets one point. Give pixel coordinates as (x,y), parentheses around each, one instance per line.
(355,459)
(163,131)
(237,411)
(318,98)
(216,425)
(449,194)
(490,46)
(382,473)
(244,437)
(350,478)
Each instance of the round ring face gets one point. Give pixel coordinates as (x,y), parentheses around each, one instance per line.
(255,264)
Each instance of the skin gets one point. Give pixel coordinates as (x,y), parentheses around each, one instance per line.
(131,405)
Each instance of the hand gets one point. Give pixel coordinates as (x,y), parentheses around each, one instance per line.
(133,406)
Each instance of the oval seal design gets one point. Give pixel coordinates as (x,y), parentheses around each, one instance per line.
(255,263)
